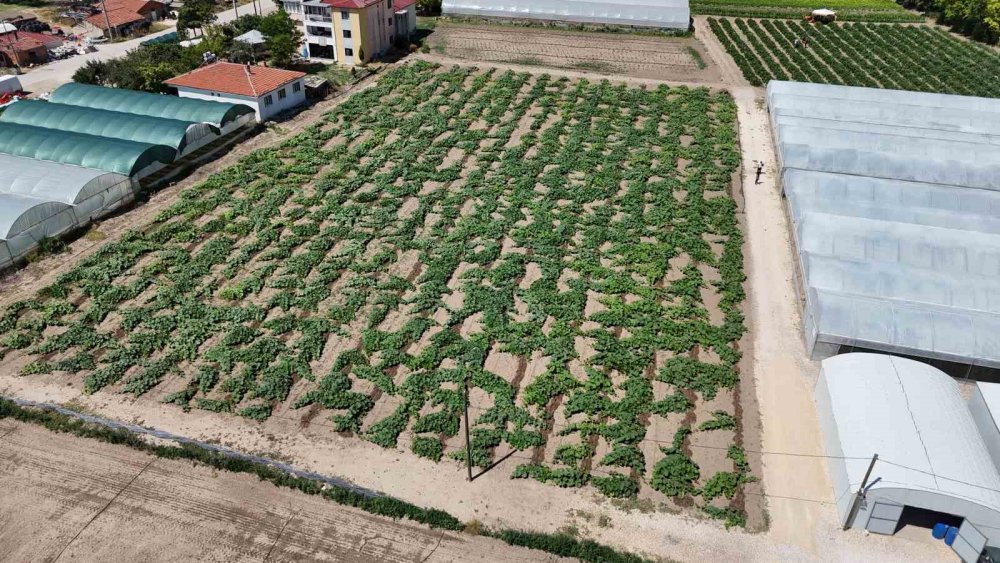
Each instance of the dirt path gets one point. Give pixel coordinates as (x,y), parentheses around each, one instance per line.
(784,376)
(571,74)
(82,500)
(727,68)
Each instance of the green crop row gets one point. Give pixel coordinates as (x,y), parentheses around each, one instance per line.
(369,270)
(914,58)
(880,14)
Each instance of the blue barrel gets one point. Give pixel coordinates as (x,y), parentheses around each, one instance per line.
(939,530)
(950,535)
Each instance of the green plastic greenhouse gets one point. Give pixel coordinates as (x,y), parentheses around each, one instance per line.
(219,114)
(90,151)
(173,133)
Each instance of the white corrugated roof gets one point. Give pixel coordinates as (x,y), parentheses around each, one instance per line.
(991,394)
(914,417)
(52,181)
(895,203)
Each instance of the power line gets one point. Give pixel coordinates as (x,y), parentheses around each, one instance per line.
(758,452)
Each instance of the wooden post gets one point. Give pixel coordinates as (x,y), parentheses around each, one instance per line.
(468,444)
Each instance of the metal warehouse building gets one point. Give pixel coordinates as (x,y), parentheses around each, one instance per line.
(69,161)
(894,199)
(933,462)
(672,14)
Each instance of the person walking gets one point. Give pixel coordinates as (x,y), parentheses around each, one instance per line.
(760,170)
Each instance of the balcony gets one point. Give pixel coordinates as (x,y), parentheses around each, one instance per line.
(318,32)
(318,18)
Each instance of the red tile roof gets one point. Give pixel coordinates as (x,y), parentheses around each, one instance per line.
(21,44)
(117,17)
(402,4)
(42,38)
(232,78)
(136,6)
(351,4)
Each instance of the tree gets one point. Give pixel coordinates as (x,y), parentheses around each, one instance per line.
(283,38)
(993,15)
(195,14)
(429,7)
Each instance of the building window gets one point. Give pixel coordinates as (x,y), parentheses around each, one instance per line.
(347,34)
(389,21)
(390,4)
(348,52)
(297,87)
(268,100)
(282,94)
(345,15)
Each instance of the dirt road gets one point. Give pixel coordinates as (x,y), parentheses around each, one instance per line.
(77,499)
(50,76)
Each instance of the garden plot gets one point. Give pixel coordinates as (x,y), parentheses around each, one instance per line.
(564,254)
(681,59)
(899,57)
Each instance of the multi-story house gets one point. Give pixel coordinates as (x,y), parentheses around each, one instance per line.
(352,31)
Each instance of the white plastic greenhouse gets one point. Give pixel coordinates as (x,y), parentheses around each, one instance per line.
(41,199)
(672,14)
(895,204)
(932,458)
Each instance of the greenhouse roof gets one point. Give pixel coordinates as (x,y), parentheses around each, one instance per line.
(52,181)
(103,123)
(914,417)
(153,105)
(89,151)
(644,13)
(895,203)
(18,213)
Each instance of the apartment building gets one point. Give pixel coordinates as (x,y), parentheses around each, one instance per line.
(352,31)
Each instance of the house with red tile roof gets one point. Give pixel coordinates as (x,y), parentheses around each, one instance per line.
(126,15)
(352,31)
(23,48)
(269,91)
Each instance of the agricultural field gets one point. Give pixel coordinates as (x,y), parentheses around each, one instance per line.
(914,58)
(847,10)
(640,56)
(564,255)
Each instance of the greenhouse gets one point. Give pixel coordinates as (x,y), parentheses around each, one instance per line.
(933,464)
(128,158)
(45,199)
(183,136)
(219,114)
(895,205)
(672,14)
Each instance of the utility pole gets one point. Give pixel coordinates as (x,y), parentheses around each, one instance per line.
(468,444)
(107,20)
(11,36)
(236,12)
(856,505)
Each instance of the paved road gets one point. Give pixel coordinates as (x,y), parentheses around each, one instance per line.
(52,75)
(76,499)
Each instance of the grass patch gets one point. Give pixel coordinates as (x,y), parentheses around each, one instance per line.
(695,56)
